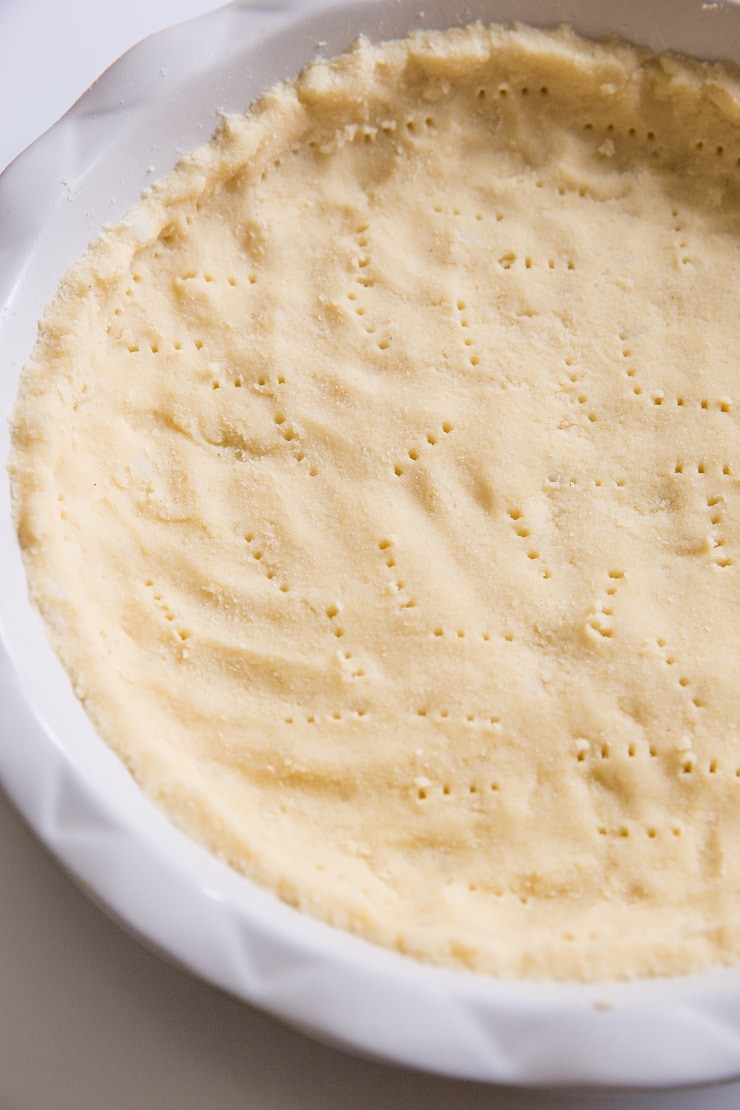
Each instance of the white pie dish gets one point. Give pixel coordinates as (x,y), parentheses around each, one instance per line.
(159,99)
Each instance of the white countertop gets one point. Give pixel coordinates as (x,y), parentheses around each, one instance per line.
(91,1020)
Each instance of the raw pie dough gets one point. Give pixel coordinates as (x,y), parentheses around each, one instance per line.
(378,480)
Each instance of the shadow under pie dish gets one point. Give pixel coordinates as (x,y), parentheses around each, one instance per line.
(430,395)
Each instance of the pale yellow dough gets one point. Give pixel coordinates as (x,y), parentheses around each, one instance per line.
(378,478)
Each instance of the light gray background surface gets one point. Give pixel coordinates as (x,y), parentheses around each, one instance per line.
(89,1019)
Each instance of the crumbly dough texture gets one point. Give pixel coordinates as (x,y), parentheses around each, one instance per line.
(378,480)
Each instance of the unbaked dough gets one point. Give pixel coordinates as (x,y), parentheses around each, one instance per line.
(378,480)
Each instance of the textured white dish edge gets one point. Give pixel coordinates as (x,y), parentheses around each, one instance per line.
(86,171)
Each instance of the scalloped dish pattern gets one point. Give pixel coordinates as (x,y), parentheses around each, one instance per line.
(378,480)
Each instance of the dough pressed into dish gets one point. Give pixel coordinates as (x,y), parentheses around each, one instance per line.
(378,480)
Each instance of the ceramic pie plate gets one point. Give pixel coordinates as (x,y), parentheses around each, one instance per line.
(161,99)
